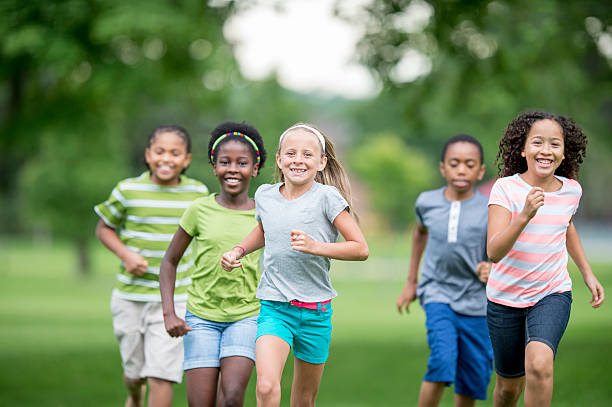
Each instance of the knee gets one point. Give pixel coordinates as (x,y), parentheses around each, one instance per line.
(233,398)
(267,389)
(133,385)
(539,368)
(304,400)
(508,393)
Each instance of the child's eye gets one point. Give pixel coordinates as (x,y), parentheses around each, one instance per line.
(243,163)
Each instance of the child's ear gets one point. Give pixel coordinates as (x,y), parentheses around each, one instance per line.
(255,171)
(481,172)
(523,153)
(323,163)
(442,169)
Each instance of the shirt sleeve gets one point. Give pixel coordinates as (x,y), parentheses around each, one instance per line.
(499,196)
(334,204)
(418,209)
(112,211)
(189,220)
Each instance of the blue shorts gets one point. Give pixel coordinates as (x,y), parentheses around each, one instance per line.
(461,350)
(513,328)
(208,342)
(307,331)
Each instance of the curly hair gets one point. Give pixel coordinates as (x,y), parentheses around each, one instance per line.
(509,160)
(246,129)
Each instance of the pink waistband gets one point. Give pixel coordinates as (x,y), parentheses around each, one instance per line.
(310,305)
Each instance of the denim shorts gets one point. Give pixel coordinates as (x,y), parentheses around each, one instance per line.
(511,329)
(461,350)
(307,331)
(208,342)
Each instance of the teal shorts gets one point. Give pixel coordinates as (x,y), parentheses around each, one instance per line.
(307,331)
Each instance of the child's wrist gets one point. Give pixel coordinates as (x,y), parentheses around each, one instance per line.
(240,250)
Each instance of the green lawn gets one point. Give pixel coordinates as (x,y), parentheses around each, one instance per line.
(57,346)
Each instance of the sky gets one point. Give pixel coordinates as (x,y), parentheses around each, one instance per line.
(311,50)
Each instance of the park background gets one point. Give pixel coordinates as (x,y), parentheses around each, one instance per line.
(82,83)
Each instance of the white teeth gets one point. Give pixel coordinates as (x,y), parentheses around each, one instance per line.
(232,180)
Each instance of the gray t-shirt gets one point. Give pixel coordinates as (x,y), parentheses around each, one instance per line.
(288,274)
(456,243)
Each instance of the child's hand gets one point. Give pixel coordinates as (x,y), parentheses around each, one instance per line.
(175,326)
(533,202)
(407,295)
(597,290)
(230,260)
(135,263)
(301,242)
(483,269)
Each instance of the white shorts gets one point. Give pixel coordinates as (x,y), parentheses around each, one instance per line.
(147,350)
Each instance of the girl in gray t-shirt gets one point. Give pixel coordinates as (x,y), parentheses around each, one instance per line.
(299,220)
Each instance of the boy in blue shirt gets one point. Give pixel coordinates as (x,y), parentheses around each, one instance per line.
(451,229)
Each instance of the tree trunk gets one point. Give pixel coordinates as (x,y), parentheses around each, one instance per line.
(82,251)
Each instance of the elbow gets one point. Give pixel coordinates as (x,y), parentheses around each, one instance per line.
(493,257)
(364,253)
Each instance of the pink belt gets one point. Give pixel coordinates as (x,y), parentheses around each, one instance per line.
(310,305)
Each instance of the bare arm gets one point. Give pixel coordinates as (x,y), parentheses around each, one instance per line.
(175,326)
(354,247)
(134,262)
(254,241)
(575,250)
(408,294)
(503,232)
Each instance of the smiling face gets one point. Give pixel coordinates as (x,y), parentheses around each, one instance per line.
(234,167)
(544,148)
(167,157)
(462,169)
(300,157)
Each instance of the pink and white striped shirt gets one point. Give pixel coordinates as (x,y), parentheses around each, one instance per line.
(537,263)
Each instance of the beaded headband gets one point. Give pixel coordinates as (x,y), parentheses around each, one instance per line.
(234,133)
(303,126)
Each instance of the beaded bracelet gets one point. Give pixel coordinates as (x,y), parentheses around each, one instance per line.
(241,248)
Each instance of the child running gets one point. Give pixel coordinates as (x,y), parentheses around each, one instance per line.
(136,223)
(530,233)
(221,320)
(299,219)
(451,229)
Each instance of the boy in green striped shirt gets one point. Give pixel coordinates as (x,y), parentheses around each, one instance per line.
(136,223)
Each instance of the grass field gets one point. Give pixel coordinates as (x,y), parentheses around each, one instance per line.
(57,346)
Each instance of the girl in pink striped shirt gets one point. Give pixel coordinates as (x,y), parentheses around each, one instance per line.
(530,233)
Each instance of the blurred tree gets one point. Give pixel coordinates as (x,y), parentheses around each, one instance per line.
(75,77)
(471,66)
(395,175)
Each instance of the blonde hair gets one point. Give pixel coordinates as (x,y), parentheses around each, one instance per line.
(333,174)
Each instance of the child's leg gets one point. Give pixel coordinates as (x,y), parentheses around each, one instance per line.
(136,391)
(306,382)
(507,332)
(431,393)
(236,372)
(546,323)
(237,358)
(461,400)
(508,391)
(441,324)
(270,354)
(539,374)
(160,392)
(201,386)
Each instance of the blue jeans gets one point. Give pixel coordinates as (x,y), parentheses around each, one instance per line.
(511,329)
(208,342)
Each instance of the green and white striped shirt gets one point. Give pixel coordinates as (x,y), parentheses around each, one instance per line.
(145,216)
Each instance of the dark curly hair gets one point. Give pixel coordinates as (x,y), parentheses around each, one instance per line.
(246,129)
(509,160)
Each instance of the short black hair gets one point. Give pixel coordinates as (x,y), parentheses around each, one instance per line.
(169,128)
(509,159)
(247,130)
(462,138)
